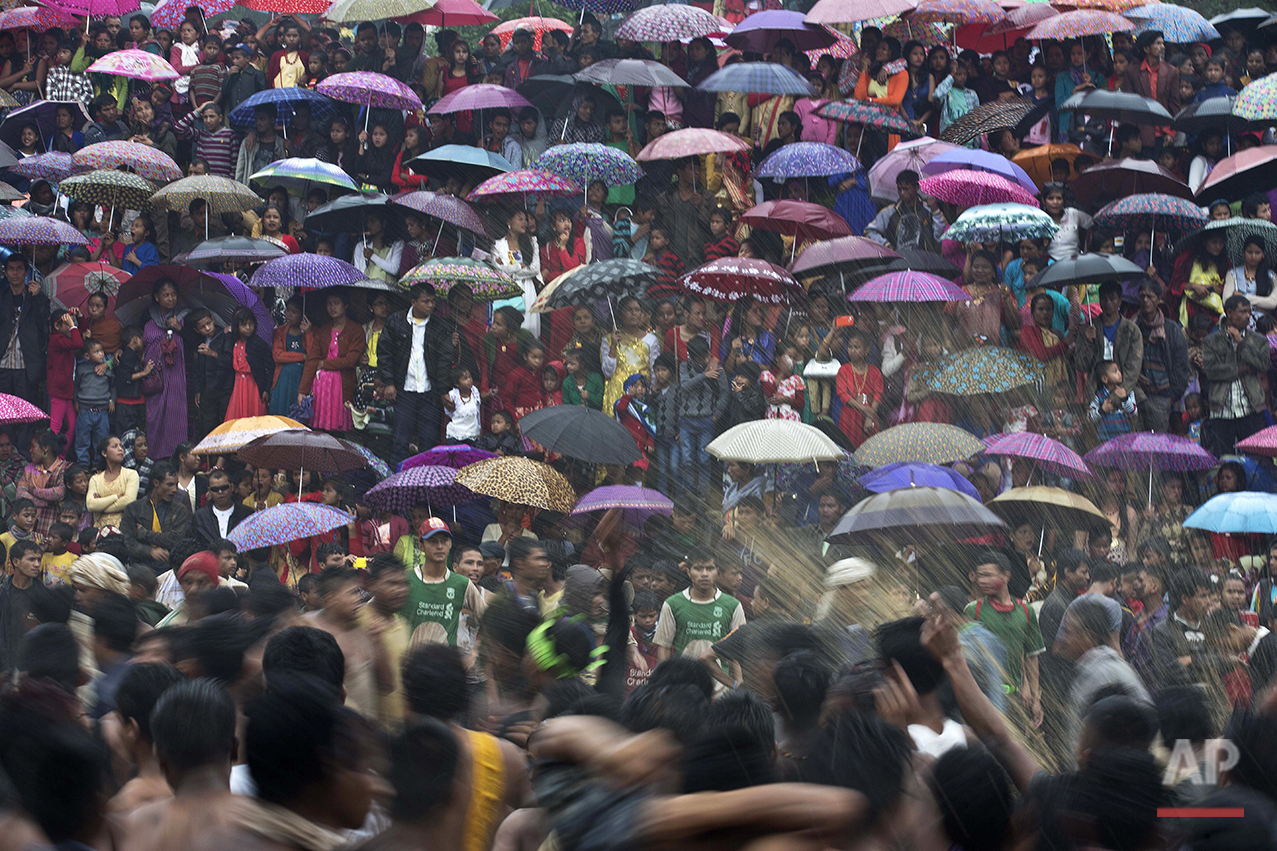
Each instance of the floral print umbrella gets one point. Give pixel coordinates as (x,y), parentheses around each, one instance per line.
(691,141)
(1257,101)
(524,182)
(485,282)
(151,163)
(53,167)
(171,13)
(38,230)
(1080,23)
(972,188)
(586,162)
(807,159)
(35,18)
(729,278)
(870,115)
(135,64)
(957,12)
(281,524)
(671,23)
(368,89)
(1152,211)
(983,369)
(14,410)
(1178,24)
(429,484)
(995,222)
(445,207)
(601,281)
(109,188)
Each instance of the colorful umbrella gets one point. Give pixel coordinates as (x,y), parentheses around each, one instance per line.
(522,184)
(913,474)
(1245,512)
(1257,101)
(434,486)
(455,456)
(375,464)
(288,7)
(231,249)
(870,115)
(135,64)
(602,281)
(71,284)
(1237,176)
(931,443)
(957,12)
(1178,24)
(692,141)
(233,434)
(311,272)
(1153,212)
(479,96)
(843,48)
(151,163)
(53,167)
(451,13)
(1139,450)
(15,410)
(774,442)
(844,253)
(283,524)
(988,118)
(171,13)
(1262,442)
(983,369)
(582,433)
(972,188)
(536,25)
(1000,35)
(796,218)
(585,162)
(450,160)
(911,155)
(807,159)
(301,448)
(368,89)
(757,78)
(1080,23)
(761,31)
(35,18)
(222,195)
(729,278)
(445,207)
(1117,179)
(1050,455)
(349,11)
(974,159)
(852,11)
(299,174)
(38,230)
(42,113)
(670,23)
(285,102)
(996,222)
(909,286)
(109,188)
(931,514)
(443,273)
(519,481)
(630,72)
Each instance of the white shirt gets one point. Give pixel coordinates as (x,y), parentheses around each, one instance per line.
(223,518)
(417,379)
(464,422)
(1067,242)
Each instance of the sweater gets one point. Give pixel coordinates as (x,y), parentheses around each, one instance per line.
(62,352)
(218,147)
(91,389)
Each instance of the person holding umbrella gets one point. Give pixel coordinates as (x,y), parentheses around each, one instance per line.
(1234,358)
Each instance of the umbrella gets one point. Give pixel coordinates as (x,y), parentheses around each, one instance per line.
(135,64)
(171,13)
(931,443)
(931,515)
(1036,161)
(35,18)
(53,167)
(536,25)
(1216,113)
(774,442)
(9,193)
(1244,512)
(299,174)
(917,260)
(1262,442)
(408,488)
(109,188)
(729,278)
(349,11)
(670,22)
(691,141)
(760,32)
(519,481)
(601,281)
(851,11)
(1042,505)
(451,13)
(290,7)
(221,294)
(1000,35)
(302,449)
(283,524)
(798,219)
(1239,175)
(957,12)
(911,155)
(870,115)
(1126,107)
(983,369)
(42,114)
(150,163)
(850,252)
(38,230)
(987,118)
(448,160)
(15,410)
(1080,23)
(629,72)
(307,271)
(1178,24)
(455,456)
(1236,229)
(1140,449)
(1117,179)
(376,466)
(443,273)
(479,96)
(369,90)
(909,286)
(1088,269)
(586,162)
(346,214)
(523,183)
(1257,101)
(233,434)
(285,102)
(581,433)
(232,249)
(1001,222)
(894,477)
(1241,19)
(452,210)
(974,159)
(555,94)
(1151,211)
(629,497)
(222,195)
(972,188)
(71,284)
(1050,455)
(757,78)
(807,159)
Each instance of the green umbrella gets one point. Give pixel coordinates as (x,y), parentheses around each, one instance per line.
(109,188)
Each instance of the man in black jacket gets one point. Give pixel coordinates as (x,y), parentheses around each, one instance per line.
(223,513)
(24,335)
(1164,371)
(142,516)
(417,354)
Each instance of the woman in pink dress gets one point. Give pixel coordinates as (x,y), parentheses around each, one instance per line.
(329,375)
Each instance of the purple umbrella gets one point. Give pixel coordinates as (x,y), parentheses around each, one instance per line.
(637,504)
(311,272)
(857,251)
(909,286)
(807,159)
(38,230)
(910,474)
(1050,455)
(479,96)
(221,294)
(974,159)
(451,210)
(368,89)
(456,457)
(1140,449)
(761,30)
(431,485)
(245,296)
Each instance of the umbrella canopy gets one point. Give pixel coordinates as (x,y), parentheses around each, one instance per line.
(285,102)
(1089,269)
(535,24)
(42,114)
(233,434)
(109,188)
(35,18)
(930,443)
(582,433)
(346,11)
(1178,24)
(1237,176)
(523,184)
(1037,161)
(282,524)
(301,448)
(1000,35)
(307,271)
(1262,442)
(729,278)
(466,160)
(757,78)
(54,166)
(479,96)
(629,497)
(171,13)
(989,117)
(851,11)
(594,282)
(1243,512)
(1218,113)
(1058,508)
(1152,211)
(869,115)
(630,72)
(519,481)
(983,369)
(774,442)
(1143,450)
(455,456)
(850,252)
(894,477)
(15,410)
(1126,107)
(234,249)
(931,515)
(220,294)
(974,159)
(555,94)
(299,174)
(347,213)
(761,31)
(451,13)
(71,284)
(433,485)
(368,89)
(38,230)
(807,159)
(917,260)
(1236,231)
(912,155)
(222,195)
(957,12)
(670,22)
(691,142)
(443,273)
(136,65)
(1080,23)
(586,162)
(1257,101)
(1001,222)
(909,286)
(796,218)
(1242,19)
(150,163)
(452,210)
(1044,452)
(972,188)
(1117,179)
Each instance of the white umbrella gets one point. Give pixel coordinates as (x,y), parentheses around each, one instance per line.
(774,442)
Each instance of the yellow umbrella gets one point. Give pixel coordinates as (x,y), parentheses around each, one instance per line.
(521,481)
(232,434)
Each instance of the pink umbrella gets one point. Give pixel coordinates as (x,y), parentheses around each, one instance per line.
(856,251)
(137,64)
(35,18)
(150,163)
(14,409)
(1080,23)
(516,185)
(972,188)
(912,156)
(97,8)
(796,218)
(1263,442)
(451,13)
(851,11)
(692,142)
(909,286)
(729,278)
(536,24)
(957,12)
(670,23)
(38,230)
(479,96)
(1049,454)
(369,89)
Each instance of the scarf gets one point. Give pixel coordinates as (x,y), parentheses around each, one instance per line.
(168,346)
(99,570)
(1077,73)
(279,825)
(1157,328)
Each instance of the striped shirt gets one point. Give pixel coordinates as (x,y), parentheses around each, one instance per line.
(206,83)
(667,285)
(1109,424)
(218,148)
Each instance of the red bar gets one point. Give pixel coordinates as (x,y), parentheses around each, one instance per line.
(1200,812)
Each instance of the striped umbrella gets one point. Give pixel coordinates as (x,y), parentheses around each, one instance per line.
(109,188)
(1050,455)
(233,434)
(671,22)
(691,141)
(757,78)
(299,174)
(998,222)
(222,195)
(869,115)
(807,159)
(1080,23)
(445,207)
(971,188)
(909,286)
(957,12)
(35,18)
(774,442)
(443,273)
(151,163)
(536,24)
(282,524)
(1178,24)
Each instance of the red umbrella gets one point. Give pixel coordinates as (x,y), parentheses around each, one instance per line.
(1242,173)
(281,7)
(730,278)
(848,250)
(536,25)
(450,13)
(1128,177)
(799,219)
(71,284)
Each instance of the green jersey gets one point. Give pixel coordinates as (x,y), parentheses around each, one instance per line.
(436,602)
(1018,630)
(685,621)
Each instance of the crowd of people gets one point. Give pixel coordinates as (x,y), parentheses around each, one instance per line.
(731,670)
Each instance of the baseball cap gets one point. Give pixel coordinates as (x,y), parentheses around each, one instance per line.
(491,549)
(433,526)
(244,47)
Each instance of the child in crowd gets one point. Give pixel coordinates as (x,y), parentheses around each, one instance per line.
(1113,408)
(622,231)
(462,404)
(22,519)
(723,243)
(65,343)
(142,588)
(142,252)
(501,437)
(57,557)
(130,369)
(75,515)
(665,419)
(633,412)
(662,257)
(522,389)
(783,388)
(1193,417)
(552,376)
(645,608)
(94,401)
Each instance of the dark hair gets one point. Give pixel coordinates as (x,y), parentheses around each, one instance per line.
(50,652)
(114,619)
(678,708)
(303,651)
(974,796)
(1121,720)
(860,751)
(434,682)
(140,690)
(802,681)
(1185,583)
(680,670)
(193,725)
(423,763)
(901,642)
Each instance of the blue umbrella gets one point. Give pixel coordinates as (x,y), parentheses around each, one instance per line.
(284,101)
(807,159)
(1177,23)
(1243,512)
(901,475)
(757,78)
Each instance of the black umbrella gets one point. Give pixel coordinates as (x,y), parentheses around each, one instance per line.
(602,281)
(347,214)
(234,249)
(995,115)
(930,515)
(1118,178)
(553,94)
(1088,269)
(1126,107)
(917,260)
(1215,114)
(301,448)
(582,433)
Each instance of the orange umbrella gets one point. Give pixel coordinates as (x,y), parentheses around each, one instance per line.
(1037,161)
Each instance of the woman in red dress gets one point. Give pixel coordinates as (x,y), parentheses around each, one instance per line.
(250,358)
(859,388)
(458,77)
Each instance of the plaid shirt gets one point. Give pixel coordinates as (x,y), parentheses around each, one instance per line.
(64,84)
